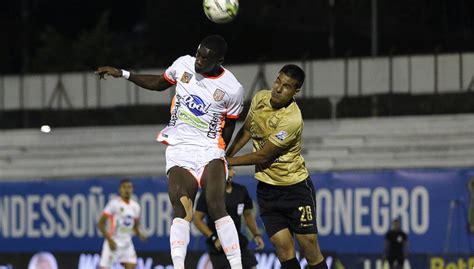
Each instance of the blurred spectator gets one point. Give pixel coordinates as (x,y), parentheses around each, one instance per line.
(396,244)
(43,260)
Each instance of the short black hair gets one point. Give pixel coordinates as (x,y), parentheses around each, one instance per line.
(294,72)
(125,180)
(216,43)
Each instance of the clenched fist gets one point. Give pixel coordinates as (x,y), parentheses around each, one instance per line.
(108,70)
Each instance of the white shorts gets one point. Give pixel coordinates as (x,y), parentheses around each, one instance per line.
(123,254)
(192,158)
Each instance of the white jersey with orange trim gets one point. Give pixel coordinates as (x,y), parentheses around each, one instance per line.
(201,105)
(122,216)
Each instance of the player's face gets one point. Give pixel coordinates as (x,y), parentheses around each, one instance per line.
(396,225)
(126,190)
(283,90)
(206,60)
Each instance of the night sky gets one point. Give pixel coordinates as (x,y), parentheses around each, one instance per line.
(52,35)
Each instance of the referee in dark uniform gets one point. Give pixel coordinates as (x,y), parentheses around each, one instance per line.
(395,249)
(238,203)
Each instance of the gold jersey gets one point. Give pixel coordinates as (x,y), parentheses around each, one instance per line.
(282,127)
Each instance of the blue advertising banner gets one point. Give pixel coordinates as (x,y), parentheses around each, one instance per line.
(146,260)
(354,211)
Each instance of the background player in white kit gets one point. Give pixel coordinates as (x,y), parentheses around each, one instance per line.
(206,105)
(123,214)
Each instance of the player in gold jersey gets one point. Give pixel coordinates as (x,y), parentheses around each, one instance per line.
(285,193)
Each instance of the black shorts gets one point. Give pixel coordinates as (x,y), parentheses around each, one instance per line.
(220,260)
(292,207)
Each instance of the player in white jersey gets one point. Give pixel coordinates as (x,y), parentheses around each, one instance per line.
(206,105)
(123,214)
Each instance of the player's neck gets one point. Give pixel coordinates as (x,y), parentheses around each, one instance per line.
(277,106)
(215,72)
(126,200)
(228,187)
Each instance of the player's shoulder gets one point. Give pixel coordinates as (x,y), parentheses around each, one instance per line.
(114,202)
(185,61)
(292,118)
(186,58)
(294,113)
(231,81)
(134,203)
(262,95)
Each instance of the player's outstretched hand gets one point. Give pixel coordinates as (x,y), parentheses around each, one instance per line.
(108,70)
(259,242)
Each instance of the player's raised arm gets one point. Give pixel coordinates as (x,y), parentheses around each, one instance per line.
(243,136)
(149,82)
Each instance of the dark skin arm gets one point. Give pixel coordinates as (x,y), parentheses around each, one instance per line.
(136,229)
(243,136)
(105,234)
(252,224)
(149,82)
(266,155)
(228,130)
(203,228)
(405,248)
(385,249)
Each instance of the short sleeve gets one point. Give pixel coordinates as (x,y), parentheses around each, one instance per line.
(286,133)
(110,208)
(170,73)
(248,203)
(235,103)
(201,204)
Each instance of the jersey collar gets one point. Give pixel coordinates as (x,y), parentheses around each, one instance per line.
(215,77)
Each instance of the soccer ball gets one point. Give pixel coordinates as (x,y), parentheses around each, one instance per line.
(221,11)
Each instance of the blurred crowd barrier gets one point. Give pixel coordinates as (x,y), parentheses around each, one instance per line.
(336,78)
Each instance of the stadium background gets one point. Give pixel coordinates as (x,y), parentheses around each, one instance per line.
(378,59)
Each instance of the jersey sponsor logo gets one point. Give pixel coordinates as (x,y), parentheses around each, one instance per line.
(174,112)
(128,220)
(195,104)
(218,95)
(192,120)
(186,77)
(281,135)
(213,126)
